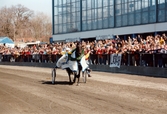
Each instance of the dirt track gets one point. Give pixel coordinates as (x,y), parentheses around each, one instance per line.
(28,90)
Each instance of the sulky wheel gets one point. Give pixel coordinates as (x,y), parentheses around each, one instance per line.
(53,75)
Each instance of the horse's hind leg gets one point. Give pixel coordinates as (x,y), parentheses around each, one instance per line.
(75,76)
(69,78)
(82,73)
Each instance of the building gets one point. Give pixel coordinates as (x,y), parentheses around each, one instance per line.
(101,19)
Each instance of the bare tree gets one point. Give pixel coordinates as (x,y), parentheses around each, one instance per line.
(5,22)
(14,21)
(19,22)
(47,28)
(41,26)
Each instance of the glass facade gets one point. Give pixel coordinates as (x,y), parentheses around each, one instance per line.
(85,15)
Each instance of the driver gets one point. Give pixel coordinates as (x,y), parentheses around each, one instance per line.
(82,52)
(77,53)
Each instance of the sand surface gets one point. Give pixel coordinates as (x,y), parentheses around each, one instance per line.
(28,90)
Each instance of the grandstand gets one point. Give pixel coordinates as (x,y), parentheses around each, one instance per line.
(104,19)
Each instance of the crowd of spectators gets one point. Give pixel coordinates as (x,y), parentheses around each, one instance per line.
(147,51)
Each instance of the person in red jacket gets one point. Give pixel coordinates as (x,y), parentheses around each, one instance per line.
(99,52)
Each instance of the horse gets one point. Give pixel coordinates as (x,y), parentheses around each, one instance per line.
(78,54)
(73,63)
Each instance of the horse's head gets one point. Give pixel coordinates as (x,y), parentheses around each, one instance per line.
(78,49)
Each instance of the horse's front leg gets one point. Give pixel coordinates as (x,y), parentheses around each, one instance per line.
(78,76)
(78,81)
(69,75)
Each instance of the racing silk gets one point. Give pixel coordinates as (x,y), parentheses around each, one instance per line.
(72,57)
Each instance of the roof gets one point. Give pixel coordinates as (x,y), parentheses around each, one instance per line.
(6,40)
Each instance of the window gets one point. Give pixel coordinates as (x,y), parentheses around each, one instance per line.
(105,2)
(60,19)
(99,12)
(161,15)
(78,26)
(111,2)
(144,17)
(89,14)
(117,1)
(84,25)
(83,15)
(131,19)
(138,18)
(94,22)
(73,16)
(145,5)
(56,29)
(88,4)
(118,21)
(152,17)
(105,12)
(124,20)
(138,6)
(60,28)
(124,8)
(77,6)
(89,26)
(105,22)
(100,23)
(99,3)
(55,11)
(56,20)
(64,28)
(64,19)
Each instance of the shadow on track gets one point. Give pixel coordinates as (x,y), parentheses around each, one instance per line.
(56,82)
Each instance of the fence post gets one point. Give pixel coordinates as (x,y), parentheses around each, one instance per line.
(153,60)
(0,57)
(140,59)
(98,61)
(128,59)
(108,59)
